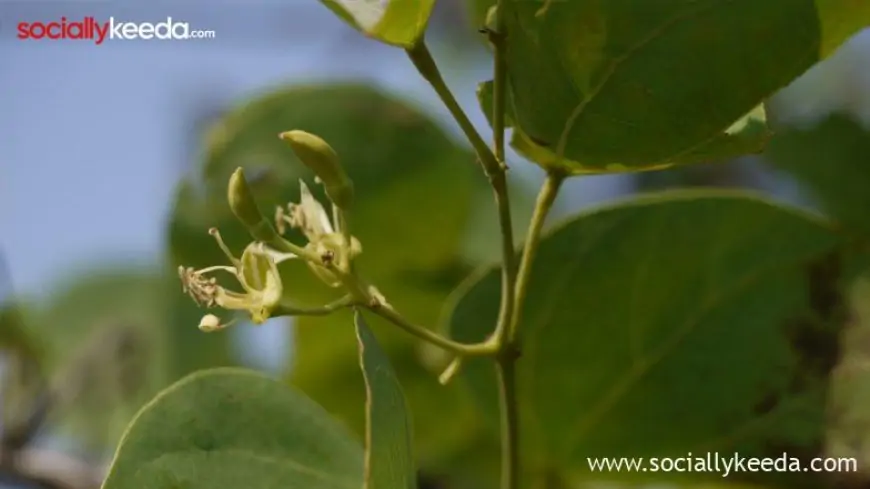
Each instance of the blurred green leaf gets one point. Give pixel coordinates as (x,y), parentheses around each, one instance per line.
(398,22)
(483,242)
(103,335)
(23,379)
(723,302)
(234,428)
(415,191)
(389,430)
(15,335)
(831,160)
(632,84)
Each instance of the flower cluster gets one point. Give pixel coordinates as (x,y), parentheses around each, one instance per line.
(328,253)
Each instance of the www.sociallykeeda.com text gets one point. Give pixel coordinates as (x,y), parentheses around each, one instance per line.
(725,465)
(91,29)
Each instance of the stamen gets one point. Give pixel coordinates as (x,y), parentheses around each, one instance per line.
(217,236)
(281,220)
(203,290)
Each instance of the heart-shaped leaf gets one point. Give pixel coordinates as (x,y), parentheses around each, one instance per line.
(234,428)
(641,84)
(681,322)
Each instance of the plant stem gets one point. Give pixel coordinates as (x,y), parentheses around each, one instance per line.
(506,337)
(290,310)
(499,83)
(499,183)
(510,423)
(544,203)
(508,349)
(425,64)
(494,167)
(509,268)
(342,222)
(477,349)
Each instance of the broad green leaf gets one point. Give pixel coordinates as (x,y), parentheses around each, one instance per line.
(747,135)
(415,192)
(234,428)
(398,22)
(389,430)
(831,161)
(678,322)
(641,84)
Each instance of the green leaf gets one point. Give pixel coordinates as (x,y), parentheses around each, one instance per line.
(747,135)
(234,428)
(831,161)
(24,354)
(15,334)
(398,22)
(103,343)
(389,460)
(641,84)
(674,323)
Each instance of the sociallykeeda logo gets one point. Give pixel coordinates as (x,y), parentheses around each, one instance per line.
(98,32)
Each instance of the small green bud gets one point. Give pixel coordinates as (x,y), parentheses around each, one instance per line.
(241,200)
(318,155)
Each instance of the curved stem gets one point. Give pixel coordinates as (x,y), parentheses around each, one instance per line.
(291,310)
(544,203)
(509,350)
(493,165)
(476,349)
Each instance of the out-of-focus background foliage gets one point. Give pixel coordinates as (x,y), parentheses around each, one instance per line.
(113,162)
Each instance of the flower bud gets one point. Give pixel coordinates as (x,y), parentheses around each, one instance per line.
(210,323)
(319,156)
(242,200)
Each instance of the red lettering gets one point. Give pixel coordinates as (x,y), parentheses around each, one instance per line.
(37,30)
(52,26)
(87,28)
(23,30)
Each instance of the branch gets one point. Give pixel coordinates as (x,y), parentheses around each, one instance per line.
(461,349)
